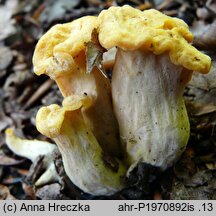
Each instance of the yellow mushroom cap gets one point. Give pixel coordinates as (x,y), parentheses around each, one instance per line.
(150,30)
(49,119)
(56,49)
(124,27)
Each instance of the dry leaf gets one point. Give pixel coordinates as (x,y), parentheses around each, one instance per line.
(201,93)
(56,10)
(8,161)
(50,192)
(204,35)
(6,57)
(197,109)
(5,193)
(211,5)
(94,54)
(6,23)
(5,121)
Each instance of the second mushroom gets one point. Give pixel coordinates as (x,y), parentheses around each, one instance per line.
(153,64)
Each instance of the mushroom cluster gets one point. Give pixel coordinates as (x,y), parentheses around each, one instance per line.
(104,129)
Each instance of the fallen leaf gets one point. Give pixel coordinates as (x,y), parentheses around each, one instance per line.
(8,161)
(18,78)
(56,10)
(25,6)
(50,192)
(23,172)
(201,93)
(5,193)
(94,54)
(204,35)
(181,192)
(5,121)
(6,22)
(211,5)
(197,109)
(29,191)
(6,57)
(203,13)
(9,180)
(164,5)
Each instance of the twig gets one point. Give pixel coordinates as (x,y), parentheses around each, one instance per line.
(37,95)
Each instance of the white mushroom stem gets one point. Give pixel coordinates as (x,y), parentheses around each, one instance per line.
(31,149)
(73,80)
(147,94)
(83,158)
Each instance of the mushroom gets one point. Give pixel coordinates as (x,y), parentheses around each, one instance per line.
(61,54)
(81,153)
(32,149)
(153,64)
(88,149)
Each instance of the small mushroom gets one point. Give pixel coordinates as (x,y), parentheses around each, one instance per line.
(61,54)
(32,149)
(153,64)
(81,153)
(86,130)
